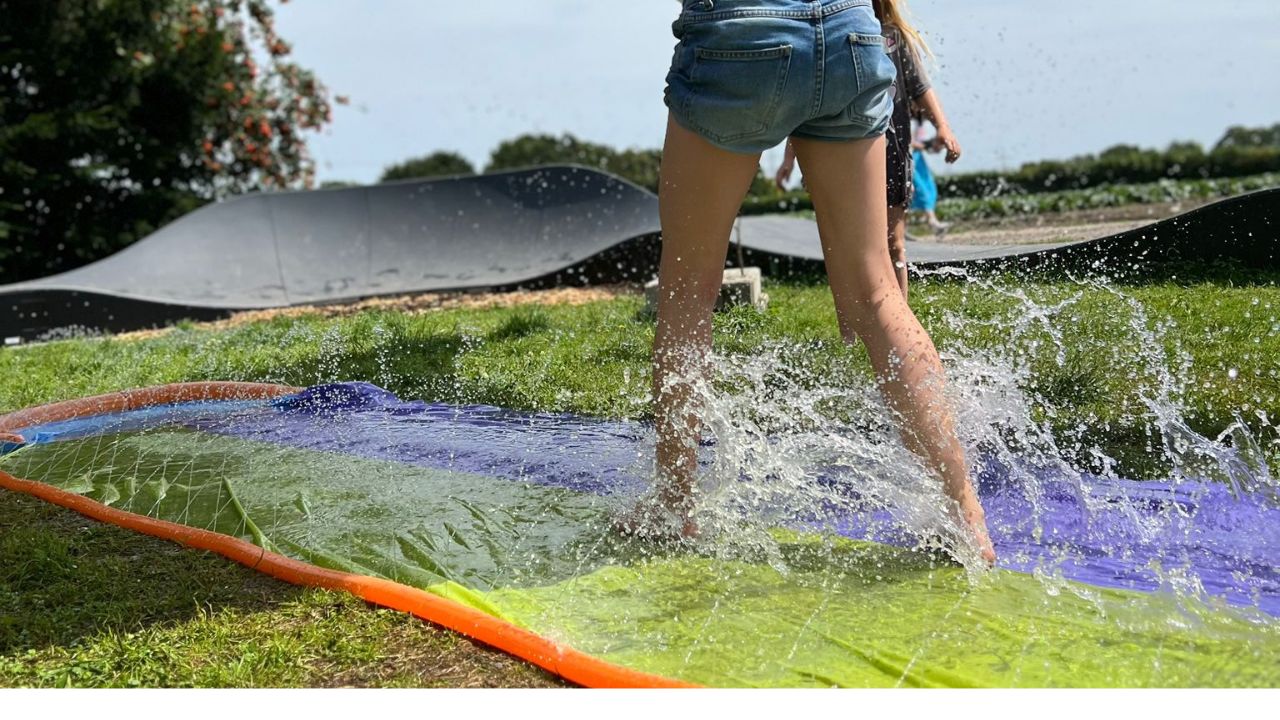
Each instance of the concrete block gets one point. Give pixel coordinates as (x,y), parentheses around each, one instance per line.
(738,287)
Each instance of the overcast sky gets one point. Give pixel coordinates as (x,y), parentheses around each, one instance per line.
(1021,79)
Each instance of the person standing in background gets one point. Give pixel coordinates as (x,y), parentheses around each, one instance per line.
(925,198)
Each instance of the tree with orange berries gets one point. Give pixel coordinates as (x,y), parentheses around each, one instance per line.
(117,116)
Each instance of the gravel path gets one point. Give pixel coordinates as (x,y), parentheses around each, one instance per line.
(1031,235)
(1056,227)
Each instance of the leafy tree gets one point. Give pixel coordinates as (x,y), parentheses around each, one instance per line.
(531,150)
(1186,159)
(117,116)
(1245,137)
(439,164)
(1242,152)
(638,166)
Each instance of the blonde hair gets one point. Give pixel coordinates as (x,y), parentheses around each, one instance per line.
(894,12)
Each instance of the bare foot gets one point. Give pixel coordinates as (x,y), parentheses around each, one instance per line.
(976,520)
(648,519)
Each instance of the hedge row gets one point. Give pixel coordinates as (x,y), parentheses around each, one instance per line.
(1012,205)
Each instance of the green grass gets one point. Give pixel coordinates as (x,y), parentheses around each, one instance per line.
(593,359)
(83,604)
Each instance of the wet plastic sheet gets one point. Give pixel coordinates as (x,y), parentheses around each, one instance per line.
(511,513)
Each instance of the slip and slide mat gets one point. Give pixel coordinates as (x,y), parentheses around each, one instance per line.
(499,525)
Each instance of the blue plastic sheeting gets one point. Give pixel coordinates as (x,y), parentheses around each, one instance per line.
(140,419)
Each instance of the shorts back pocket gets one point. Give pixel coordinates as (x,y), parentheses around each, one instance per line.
(734,94)
(876,75)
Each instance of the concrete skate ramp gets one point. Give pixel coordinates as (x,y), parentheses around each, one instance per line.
(528,228)
(567,224)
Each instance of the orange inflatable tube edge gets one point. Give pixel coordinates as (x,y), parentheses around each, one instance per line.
(566,662)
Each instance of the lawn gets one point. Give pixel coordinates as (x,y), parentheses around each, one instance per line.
(88,605)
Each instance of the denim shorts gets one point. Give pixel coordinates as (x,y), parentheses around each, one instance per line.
(747,74)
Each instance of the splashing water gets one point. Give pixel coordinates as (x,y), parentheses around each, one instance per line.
(804,443)
(791,448)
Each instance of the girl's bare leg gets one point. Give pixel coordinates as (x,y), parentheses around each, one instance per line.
(847,182)
(898,246)
(702,188)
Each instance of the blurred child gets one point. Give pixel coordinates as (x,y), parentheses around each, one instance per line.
(924,199)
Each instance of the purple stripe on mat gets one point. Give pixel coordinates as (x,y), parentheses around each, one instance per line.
(1193,537)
